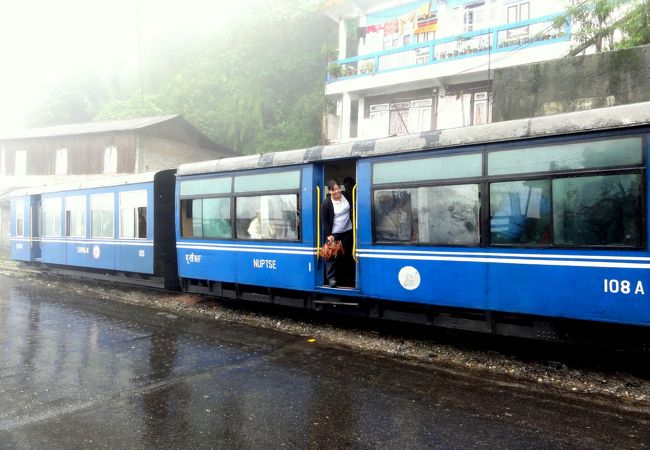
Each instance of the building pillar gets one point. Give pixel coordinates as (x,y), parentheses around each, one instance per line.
(361,118)
(346,108)
(343,38)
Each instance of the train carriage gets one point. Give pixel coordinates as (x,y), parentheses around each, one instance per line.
(108,227)
(505,227)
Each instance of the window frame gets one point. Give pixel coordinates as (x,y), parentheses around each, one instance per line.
(134,210)
(56,231)
(68,217)
(61,161)
(20,219)
(233,195)
(485,181)
(106,195)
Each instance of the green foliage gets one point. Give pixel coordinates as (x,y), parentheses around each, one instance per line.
(596,22)
(255,85)
(135,106)
(637,25)
(74,100)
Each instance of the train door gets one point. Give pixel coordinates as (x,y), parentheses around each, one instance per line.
(343,274)
(35,227)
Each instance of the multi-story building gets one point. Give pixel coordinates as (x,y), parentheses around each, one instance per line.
(406,67)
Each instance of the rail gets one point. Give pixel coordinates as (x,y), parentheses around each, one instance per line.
(504,38)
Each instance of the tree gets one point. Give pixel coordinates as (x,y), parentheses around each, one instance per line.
(595,24)
(255,85)
(76,99)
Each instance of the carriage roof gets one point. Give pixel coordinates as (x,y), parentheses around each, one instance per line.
(623,116)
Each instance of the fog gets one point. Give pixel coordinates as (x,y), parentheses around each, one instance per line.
(43,41)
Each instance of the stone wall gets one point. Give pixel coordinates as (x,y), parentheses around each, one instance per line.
(572,84)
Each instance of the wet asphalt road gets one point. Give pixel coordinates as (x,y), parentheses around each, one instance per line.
(78,372)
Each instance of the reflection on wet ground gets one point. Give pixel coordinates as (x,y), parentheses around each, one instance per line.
(80,372)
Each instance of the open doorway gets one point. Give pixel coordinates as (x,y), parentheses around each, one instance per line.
(341,272)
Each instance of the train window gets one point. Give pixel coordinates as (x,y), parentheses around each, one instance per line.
(520,212)
(133,215)
(598,210)
(269,217)
(206,186)
(75,216)
(206,218)
(445,215)
(51,217)
(576,156)
(440,168)
(274,181)
(101,215)
(20,218)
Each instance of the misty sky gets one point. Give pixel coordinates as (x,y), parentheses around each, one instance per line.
(43,40)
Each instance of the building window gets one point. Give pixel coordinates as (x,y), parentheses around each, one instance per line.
(133,215)
(398,119)
(474,17)
(480,108)
(75,216)
(101,216)
(61,162)
(516,13)
(110,160)
(20,168)
(420,115)
(20,218)
(378,120)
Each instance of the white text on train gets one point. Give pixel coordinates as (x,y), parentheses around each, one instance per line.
(264,264)
(193,258)
(83,250)
(612,286)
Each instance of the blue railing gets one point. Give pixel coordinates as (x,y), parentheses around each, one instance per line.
(503,38)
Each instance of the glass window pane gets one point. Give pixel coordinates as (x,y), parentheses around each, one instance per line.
(101,207)
(127,224)
(107,223)
(440,168)
(206,186)
(216,218)
(520,212)
(446,215)
(75,208)
(197,218)
(20,218)
(141,220)
(581,155)
(52,216)
(268,182)
(133,214)
(271,217)
(599,210)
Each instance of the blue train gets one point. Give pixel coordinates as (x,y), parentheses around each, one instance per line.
(525,227)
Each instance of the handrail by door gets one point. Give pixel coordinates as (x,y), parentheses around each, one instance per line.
(354,224)
(317,221)
(31,227)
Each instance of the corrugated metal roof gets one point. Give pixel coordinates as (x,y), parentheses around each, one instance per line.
(89,127)
(92,182)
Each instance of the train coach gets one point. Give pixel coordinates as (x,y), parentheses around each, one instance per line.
(528,227)
(116,228)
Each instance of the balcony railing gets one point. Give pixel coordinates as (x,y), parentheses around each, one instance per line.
(504,38)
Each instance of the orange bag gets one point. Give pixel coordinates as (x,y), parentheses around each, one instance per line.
(331,250)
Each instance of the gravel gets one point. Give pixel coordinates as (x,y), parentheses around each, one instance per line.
(616,377)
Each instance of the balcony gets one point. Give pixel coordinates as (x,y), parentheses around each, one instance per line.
(530,33)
